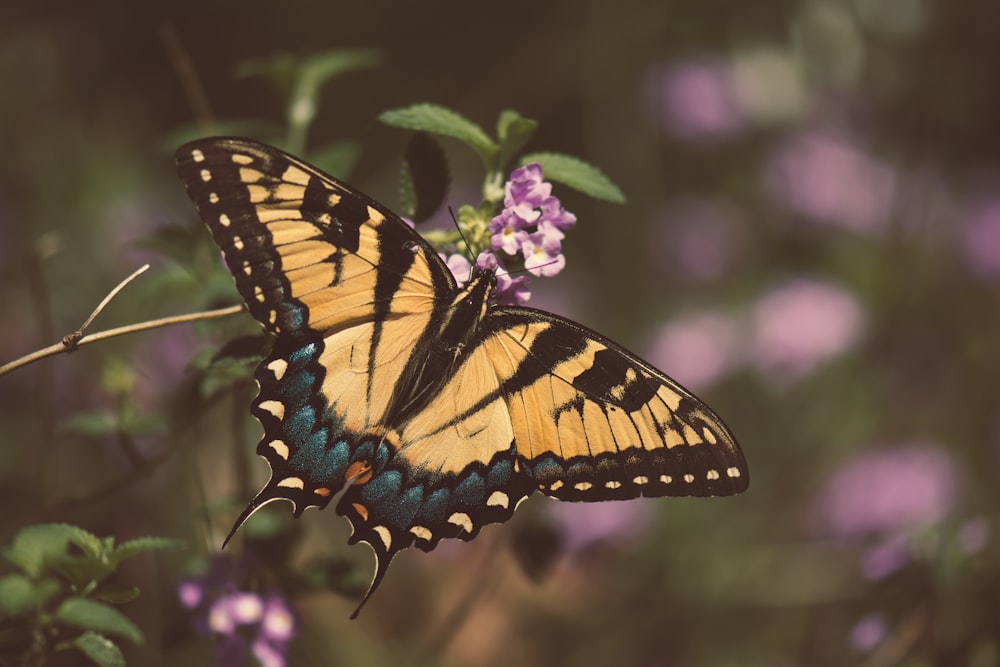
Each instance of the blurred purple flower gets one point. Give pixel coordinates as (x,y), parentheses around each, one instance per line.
(240,621)
(799,325)
(974,534)
(830,180)
(584,524)
(981,238)
(697,349)
(886,557)
(699,236)
(886,490)
(870,631)
(697,99)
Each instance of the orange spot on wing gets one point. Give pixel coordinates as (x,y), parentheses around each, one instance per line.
(361,510)
(321,491)
(358,472)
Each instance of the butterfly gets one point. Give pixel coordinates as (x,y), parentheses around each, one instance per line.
(429,408)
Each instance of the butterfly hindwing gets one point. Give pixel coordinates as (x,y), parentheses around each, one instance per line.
(595,422)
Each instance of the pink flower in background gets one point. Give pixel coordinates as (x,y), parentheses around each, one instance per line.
(981,238)
(697,349)
(832,181)
(802,324)
(882,491)
(697,99)
(870,631)
(585,524)
(699,236)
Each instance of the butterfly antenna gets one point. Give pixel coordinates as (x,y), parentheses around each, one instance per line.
(458,228)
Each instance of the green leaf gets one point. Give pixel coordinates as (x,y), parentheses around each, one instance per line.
(19,593)
(92,423)
(98,648)
(514,132)
(423,178)
(313,72)
(142,544)
(93,615)
(116,593)
(445,122)
(36,548)
(577,174)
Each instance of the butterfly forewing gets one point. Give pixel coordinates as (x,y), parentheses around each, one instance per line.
(307,252)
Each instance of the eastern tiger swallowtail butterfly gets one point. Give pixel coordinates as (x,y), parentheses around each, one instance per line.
(432,409)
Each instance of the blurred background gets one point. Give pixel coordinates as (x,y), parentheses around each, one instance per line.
(811,243)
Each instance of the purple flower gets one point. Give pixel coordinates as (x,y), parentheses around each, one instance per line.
(981,238)
(190,593)
(240,622)
(511,291)
(699,236)
(530,229)
(882,491)
(974,534)
(870,631)
(887,557)
(831,180)
(531,218)
(507,232)
(802,324)
(525,191)
(697,99)
(542,256)
(697,349)
(459,266)
(584,524)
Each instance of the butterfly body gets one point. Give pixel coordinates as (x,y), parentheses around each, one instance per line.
(431,409)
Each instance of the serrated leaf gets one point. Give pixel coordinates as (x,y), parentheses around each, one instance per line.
(98,648)
(577,174)
(424,178)
(36,548)
(19,594)
(445,122)
(93,615)
(514,132)
(142,544)
(317,69)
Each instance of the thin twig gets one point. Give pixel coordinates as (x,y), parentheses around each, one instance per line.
(120,331)
(73,339)
(188,77)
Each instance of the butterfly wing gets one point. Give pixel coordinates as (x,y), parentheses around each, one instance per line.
(592,421)
(348,289)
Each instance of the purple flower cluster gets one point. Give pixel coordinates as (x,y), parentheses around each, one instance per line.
(242,622)
(531,227)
